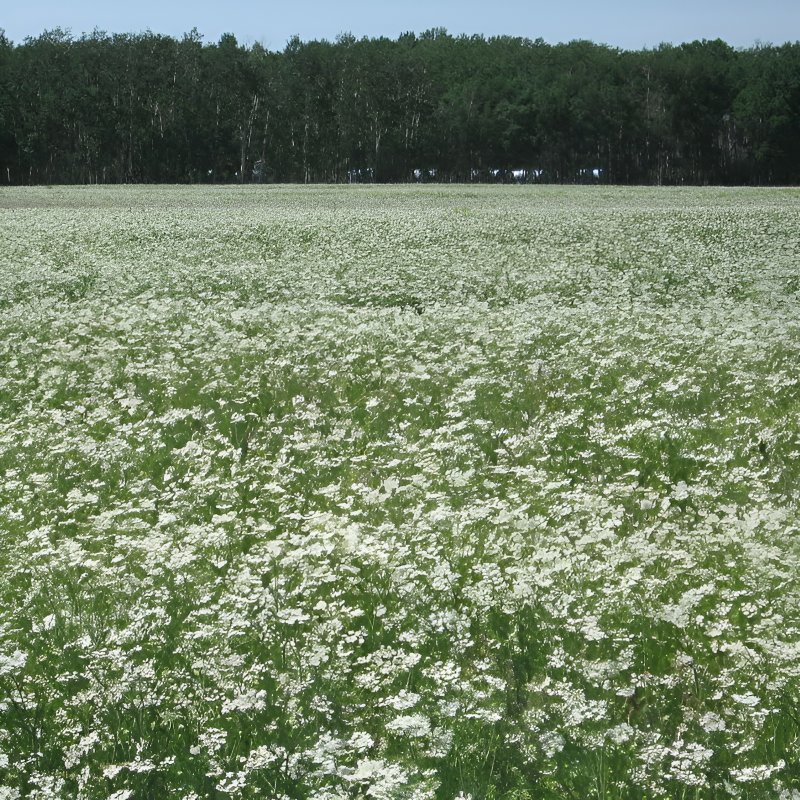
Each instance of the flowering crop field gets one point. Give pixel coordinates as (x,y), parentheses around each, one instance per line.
(399,492)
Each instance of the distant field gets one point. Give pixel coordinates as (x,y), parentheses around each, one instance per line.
(399,492)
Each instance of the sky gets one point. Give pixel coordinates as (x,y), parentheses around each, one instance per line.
(628,24)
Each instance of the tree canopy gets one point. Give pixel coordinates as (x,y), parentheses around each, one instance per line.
(123,108)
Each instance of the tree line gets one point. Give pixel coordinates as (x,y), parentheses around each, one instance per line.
(147,108)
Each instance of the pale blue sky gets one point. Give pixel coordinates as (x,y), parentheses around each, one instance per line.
(621,23)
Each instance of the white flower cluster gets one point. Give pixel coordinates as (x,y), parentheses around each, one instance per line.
(325,492)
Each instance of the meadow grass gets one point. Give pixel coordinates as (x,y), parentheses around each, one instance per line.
(399,492)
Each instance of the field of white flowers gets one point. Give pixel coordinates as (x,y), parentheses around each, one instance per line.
(400,492)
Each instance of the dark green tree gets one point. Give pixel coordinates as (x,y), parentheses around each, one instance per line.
(149,108)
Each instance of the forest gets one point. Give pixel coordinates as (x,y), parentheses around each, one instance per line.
(149,108)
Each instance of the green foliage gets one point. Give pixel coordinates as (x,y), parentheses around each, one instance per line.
(399,492)
(146,108)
